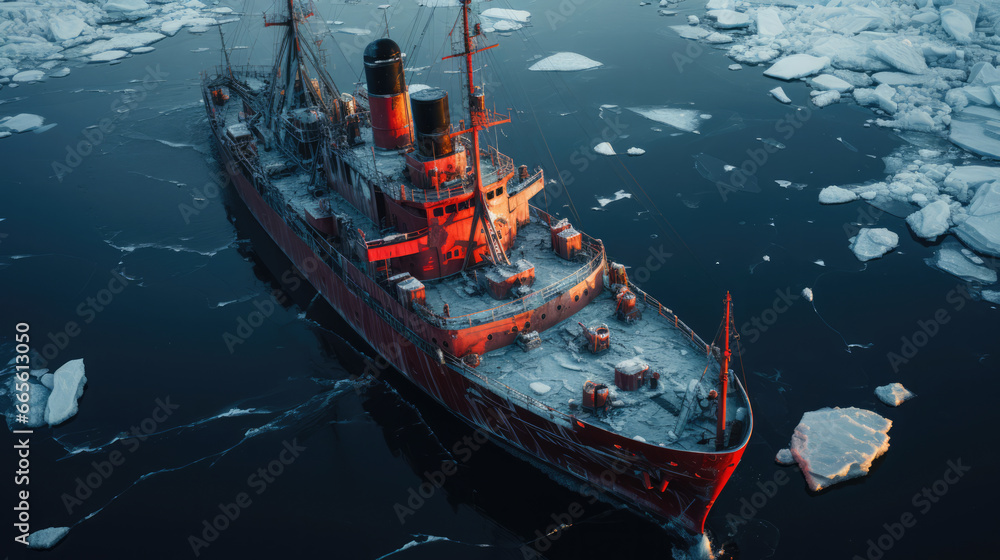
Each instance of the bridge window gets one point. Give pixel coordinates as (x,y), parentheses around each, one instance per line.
(489,195)
(450,209)
(499,191)
(438,212)
(463,205)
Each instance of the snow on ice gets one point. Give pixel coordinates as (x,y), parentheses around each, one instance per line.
(797,66)
(832,445)
(893,394)
(633,151)
(21,123)
(950,258)
(604,201)
(784,457)
(605,149)
(872,243)
(564,62)
(779,94)
(46,538)
(66,389)
(836,195)
(682,119)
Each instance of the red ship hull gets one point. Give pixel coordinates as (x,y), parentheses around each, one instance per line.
(674,485)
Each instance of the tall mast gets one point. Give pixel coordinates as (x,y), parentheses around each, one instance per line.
(720,431)
(473,121)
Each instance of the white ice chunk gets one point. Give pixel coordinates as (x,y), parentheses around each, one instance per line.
(779,94)
(693,20)
(949,258)
(977,129)
(61,73)
(46,538)
(540,388)
(832,445)
(959,19)
(991,296)
(682,119)
(807,293)
(983,73)
(720,5)
(831,82)
(872,243)
(826,98)
(836,195)
(768,22)
(124,42)
(900,54)
(21,123)
(735,67)
(605,149)
(729,19)
(46,379)
(930,221)
(564,62)
(619,195)
(688,32)
(980,95)
(893,394)
(797,66)
(636,151)
(65,26)
(108,56)
(883,95)
(784,457)
(28,76)
(520,16)
(67,388)
(125,5)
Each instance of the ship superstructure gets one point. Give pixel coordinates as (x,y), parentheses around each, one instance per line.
(423,239)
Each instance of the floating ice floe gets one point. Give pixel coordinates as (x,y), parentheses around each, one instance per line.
(123,42)
(689,32)
(67,387)
(931,221)
(836,195)
(831,82)
(950,258)
(28,76)
(61,73)
(807,293)
(605,149)
(872,243)
(769,23)
(729,19)
(822,99)
(519,16)
(687,120)
(992,296)
(784,457)
(779,94)
(735,67)
(900,54)
(108,56)
(959,19)
(564,62)
(633,151)
(353,30)
(619,195)
(832,445)
(46,538)
(981,229)
(893,394)
(797,66)
(21,123)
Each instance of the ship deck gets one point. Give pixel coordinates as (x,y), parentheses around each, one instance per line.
(563,363)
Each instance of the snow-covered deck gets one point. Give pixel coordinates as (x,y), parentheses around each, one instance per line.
(564,364)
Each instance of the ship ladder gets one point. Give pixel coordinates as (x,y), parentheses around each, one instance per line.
(497,254)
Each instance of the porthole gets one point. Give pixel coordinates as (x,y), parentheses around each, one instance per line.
(559,308)
(527,325)
(434,340)
(513,329)
(489,337)
(586,293)
(543,316)
(576,297)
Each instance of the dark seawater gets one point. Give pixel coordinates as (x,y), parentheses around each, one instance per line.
(362,447)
